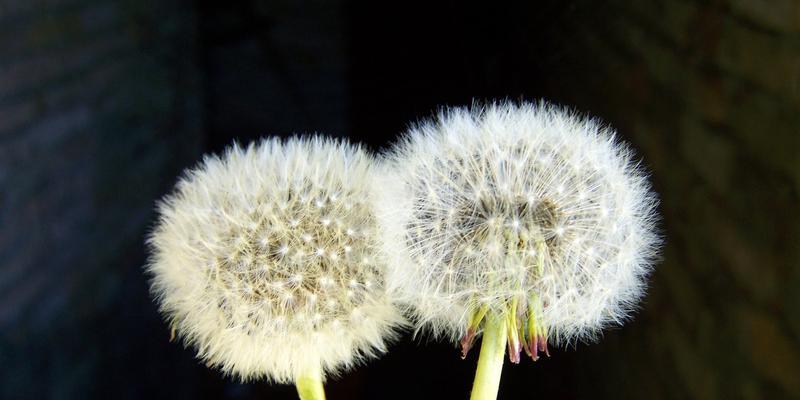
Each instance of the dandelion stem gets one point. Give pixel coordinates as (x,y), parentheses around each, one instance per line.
(309,385)
(490,361)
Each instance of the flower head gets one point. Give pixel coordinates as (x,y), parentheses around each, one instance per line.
(527,211)
(268,262)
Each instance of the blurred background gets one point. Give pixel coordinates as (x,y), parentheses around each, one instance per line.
(104,102)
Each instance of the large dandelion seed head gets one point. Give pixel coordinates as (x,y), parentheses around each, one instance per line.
(527,211)
(267,259)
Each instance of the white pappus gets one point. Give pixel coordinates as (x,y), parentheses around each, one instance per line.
(529,212)
(267,260)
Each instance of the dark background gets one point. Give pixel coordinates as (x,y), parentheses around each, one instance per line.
(103,103)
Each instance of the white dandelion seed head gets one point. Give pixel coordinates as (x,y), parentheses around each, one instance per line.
(243,267)
(522,207)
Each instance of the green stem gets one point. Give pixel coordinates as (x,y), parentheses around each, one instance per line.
(309,385)
(490,361)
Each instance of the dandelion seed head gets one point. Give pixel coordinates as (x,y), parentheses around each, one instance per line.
(237,264)
(526,209)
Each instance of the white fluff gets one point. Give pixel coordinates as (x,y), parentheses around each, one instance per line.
(528,211)
(267,260)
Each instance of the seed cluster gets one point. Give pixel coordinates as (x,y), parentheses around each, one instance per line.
(268,261)
(523,211)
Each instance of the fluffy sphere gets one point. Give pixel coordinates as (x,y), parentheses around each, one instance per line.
(527,211)
(267,259)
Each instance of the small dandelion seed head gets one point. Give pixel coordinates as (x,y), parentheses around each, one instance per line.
(233,267)
(543,198)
